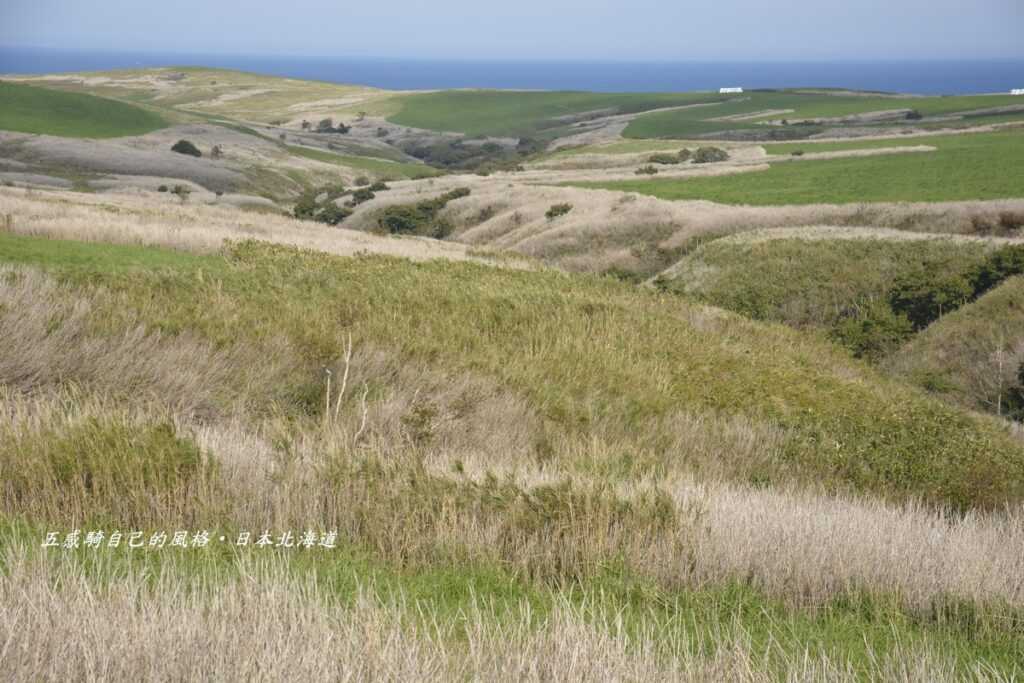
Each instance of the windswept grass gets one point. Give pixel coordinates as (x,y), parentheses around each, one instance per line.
(30,109)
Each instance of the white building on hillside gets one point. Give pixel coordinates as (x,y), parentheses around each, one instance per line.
(1018,91)
(730,91)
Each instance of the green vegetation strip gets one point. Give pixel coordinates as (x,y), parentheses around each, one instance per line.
(795,106)
(29,109)
(379,167)
(526,114)
(967,167)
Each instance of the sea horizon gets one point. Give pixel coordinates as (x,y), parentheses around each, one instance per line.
(923,77)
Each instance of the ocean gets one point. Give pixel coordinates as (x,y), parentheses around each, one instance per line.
(919,77)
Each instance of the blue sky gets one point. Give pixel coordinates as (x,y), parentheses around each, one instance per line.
(530,29)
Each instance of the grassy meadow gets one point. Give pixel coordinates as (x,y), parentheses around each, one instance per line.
(755,107)
(979,166)
(584,432)
(533,459)
(526,114)
(28,109)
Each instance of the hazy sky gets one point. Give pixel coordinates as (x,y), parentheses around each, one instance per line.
(535,29)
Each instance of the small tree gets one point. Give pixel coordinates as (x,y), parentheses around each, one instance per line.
(182,192)
(710,155)
(186,147)
(325,126)
(306,125)
(216,152)
(558,210)
(647,170)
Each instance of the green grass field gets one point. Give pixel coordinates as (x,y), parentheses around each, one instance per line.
(965,167)
(29,109)
(523,114)
(379,167)
(697,122)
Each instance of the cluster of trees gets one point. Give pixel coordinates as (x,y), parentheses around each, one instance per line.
(327,126)
(321,204)
(920,297)
(421,218)
(465,155)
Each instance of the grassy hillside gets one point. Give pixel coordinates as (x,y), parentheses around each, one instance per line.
(379,167)
(812,282)
(965,167)
(555,320)
(525,114)
(29,109)
(518,464)
(796,106)
(974,356)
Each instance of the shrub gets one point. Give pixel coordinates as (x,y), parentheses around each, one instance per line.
(420,218)
(216,152)
(685,154)
(186,147)
(332,214)
(1001,265)
(379,186)
(182,192)
(710,155)
(667,159)
(557,210)
(363,194)
(923,297)
(162,188)
(798,152)
(646,170)
(362,180)
(914,115)
(872,331)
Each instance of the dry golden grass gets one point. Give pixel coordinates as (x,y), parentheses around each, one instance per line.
(58,625)
(153,219)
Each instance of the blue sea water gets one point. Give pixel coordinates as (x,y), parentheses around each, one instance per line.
(920,77)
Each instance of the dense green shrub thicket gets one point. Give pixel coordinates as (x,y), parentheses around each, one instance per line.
(422,217)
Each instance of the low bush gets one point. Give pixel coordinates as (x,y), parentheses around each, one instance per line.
(363,194)
(557,210)
(420,218)
(667,159)
(187,148)
(162,188)
(685,155)
(647,170)
(710,155)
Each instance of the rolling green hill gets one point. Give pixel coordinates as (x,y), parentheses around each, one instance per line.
(531,330)
(525,114)
(30,109)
